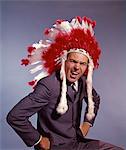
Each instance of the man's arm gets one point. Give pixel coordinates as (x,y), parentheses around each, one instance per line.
(85,126)
(18,117)
(96,100)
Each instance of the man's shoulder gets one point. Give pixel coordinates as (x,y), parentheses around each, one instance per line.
(51,79)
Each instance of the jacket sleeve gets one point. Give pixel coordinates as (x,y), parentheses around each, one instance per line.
(96,99)
(18,117)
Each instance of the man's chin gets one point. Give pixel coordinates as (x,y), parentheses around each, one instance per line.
(72,80)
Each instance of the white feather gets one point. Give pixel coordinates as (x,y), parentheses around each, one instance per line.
(91,30)
(34,63)
(63,26)
(41,75)
(76,24)
(37,68)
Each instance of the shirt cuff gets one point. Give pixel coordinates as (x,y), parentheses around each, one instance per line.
(89,123)
(38,140)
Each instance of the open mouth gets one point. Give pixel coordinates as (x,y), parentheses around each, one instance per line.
(74,74)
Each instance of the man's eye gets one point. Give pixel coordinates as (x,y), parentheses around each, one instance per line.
(73,61)
(84,63)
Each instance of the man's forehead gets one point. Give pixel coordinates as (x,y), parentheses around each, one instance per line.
(76,55)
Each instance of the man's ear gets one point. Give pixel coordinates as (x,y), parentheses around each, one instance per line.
(86,71)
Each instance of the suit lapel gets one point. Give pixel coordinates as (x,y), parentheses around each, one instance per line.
(83,87)
(70,93)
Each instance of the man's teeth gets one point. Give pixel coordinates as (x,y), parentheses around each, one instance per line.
(74,73)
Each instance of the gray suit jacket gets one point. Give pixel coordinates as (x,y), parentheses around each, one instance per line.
(43,101)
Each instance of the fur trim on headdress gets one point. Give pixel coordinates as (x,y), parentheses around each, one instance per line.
(62,106)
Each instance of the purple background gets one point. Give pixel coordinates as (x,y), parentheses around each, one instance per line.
(23,23)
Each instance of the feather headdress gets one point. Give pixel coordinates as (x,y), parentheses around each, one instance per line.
(49,55)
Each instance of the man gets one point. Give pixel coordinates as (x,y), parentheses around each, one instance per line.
(67,61)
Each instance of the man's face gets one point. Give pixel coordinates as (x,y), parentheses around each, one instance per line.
(75,66)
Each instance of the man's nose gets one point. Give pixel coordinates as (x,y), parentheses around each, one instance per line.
(77,65)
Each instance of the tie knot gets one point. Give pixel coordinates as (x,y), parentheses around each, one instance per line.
(75,86)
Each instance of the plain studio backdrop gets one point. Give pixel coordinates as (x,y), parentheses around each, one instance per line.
(23,23)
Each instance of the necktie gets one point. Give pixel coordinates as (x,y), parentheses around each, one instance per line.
(75,86)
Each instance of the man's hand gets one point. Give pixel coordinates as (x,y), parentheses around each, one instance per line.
(44,144)
(85,128)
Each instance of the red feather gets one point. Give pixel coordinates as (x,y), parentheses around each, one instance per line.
(24,62)
(46,32)
(31,49)
(76,39)
(31,83)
